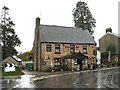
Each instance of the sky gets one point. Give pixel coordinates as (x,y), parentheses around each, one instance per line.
(57,12)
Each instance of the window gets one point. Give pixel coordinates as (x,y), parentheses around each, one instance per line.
(75,62)
(57,49)
(83,61)
(72,48)
(65,62)
(44,63)
(94,52)
(84,49)
(57,62)
(48,48)
(77,46)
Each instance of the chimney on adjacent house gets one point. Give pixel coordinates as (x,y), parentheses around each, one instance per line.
(85,25)
(108,30)
(37,21)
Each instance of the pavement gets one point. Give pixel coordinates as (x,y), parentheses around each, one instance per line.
(39,74)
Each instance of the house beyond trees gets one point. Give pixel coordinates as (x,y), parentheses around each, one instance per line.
(52,44)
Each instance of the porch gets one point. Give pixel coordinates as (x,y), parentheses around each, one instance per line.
(72,61)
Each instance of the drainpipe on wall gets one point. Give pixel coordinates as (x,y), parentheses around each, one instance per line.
(40,56)
(87,63)
(71,63)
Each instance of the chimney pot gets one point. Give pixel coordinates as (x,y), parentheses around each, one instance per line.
(108,30)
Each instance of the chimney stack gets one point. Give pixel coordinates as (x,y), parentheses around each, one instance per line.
(85,25)
(108,30)
(37,21)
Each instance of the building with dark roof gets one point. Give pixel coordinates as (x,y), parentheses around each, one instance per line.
(52,42)
(109,39)
(13,60)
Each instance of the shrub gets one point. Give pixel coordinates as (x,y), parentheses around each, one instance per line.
(118,63)
(109,62)
(111,48)
(75,69)
(85,68)
(18,69)
(58,69)
(50,69)
(113,62)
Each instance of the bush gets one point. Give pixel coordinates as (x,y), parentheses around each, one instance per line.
(50,69)
(85,68)
(58,69)
(118,63)
(75,69)
(113,62)
(109,62)
(111,48)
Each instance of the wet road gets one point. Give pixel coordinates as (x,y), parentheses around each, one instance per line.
(92,79)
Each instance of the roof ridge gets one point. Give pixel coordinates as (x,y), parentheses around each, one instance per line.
(59,26)
(117,35)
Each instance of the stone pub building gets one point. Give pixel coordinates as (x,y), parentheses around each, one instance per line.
(56,47)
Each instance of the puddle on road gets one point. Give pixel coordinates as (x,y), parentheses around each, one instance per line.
(21,82)
(99,81)
(25,82)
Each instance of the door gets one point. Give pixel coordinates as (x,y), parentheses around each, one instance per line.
(80,64)
(79,61)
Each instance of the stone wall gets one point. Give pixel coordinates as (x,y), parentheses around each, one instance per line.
(36,46)
(107,40)
(65,50)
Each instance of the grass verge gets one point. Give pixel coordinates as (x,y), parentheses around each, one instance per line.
(12,73)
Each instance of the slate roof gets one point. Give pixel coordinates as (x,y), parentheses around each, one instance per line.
(60,34)
(114,34)
(10,60)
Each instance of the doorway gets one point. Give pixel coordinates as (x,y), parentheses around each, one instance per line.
(79,62)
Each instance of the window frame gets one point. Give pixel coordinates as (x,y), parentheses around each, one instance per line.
(57,47)
(94,52)
(57,60)
(83,61)
(85,48)
(48,49)
(72,48)
(75,62)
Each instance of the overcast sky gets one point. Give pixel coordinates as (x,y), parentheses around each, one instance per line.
(57,12)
